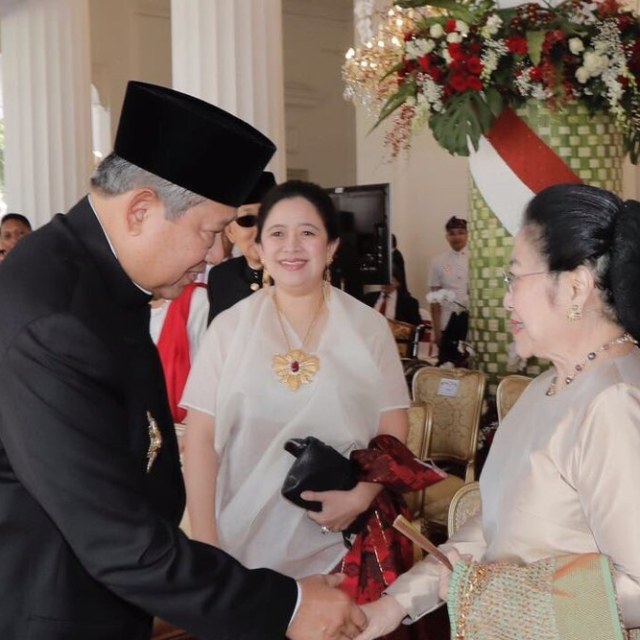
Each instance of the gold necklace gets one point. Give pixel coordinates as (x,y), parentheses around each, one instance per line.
(296,367)
(591,356)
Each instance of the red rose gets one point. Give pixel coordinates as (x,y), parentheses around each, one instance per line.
(455,50)
(517,45)
(450,25)
(474,65)
(474,83)
(458,82)
(436,74)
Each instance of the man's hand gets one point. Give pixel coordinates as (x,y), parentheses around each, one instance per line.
(325,612)
(384,615)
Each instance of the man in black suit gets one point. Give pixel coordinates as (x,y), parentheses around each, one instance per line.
(395,302)
(235,279)
(91,491)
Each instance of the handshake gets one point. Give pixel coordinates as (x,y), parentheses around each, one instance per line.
(326,613)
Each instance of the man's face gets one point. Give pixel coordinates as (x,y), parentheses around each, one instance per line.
(10,232)
(457,239)
(171,253)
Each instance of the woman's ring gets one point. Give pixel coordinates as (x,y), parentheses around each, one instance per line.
(325,530)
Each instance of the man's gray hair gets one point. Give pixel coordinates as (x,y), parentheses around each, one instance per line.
(115,176)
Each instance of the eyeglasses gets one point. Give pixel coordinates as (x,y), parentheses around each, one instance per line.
(509,278)
(248,221)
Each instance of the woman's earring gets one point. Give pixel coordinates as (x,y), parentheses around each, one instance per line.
(266,278)
(575,312)
(327,271)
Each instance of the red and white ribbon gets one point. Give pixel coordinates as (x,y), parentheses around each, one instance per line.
(511,165)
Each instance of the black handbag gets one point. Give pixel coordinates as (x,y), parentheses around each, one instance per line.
(317,467)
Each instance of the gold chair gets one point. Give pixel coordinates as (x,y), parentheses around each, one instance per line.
(419,426)
(508,392)
(455,397)
(465,503)
(407,337)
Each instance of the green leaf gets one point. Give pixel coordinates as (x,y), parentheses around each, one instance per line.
(534,44)
(466,118)
(455,8)
(494,100)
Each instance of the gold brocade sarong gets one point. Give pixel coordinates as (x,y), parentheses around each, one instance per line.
(565,598)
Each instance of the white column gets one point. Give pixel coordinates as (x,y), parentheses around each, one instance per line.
(229,52)
(47,104)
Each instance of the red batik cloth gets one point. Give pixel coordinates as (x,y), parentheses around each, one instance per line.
(379,553)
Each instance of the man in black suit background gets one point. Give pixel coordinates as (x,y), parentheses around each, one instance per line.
(91,491)
(394,301)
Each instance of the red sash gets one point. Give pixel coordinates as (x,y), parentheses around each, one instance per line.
(173,347)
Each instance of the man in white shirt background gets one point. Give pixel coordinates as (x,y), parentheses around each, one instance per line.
(450,270)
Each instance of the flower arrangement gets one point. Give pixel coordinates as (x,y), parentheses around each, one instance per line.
(462,62)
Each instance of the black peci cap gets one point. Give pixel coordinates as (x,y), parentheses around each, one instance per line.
(191,143)
(455,223)
(265,183)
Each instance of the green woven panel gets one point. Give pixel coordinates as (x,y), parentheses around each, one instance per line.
(592,147)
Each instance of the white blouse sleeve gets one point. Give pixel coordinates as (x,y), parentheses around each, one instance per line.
(606,473)
(417,589)
(197,320)
(201,388)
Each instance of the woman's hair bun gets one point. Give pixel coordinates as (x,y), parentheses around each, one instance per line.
(624,267)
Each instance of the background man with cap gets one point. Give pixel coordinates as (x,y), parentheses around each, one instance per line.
(91,491)
(235,279)
(450,270)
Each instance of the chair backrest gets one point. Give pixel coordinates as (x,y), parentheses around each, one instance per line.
(419,426)
(509,390)
(465,503)
(407,337)
(456,397)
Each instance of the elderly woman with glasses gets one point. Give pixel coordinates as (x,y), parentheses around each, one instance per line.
(557,545)
(235,279)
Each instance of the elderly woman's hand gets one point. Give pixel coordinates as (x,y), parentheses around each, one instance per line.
(341,508)
(383,615)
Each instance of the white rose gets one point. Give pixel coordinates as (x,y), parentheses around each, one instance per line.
(576,46)
(582,75)
(595,63)
(462,27)
(436,30)
(454,37)
(428,46)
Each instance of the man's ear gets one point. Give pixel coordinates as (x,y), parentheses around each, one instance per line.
(139,206)
(230,232)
